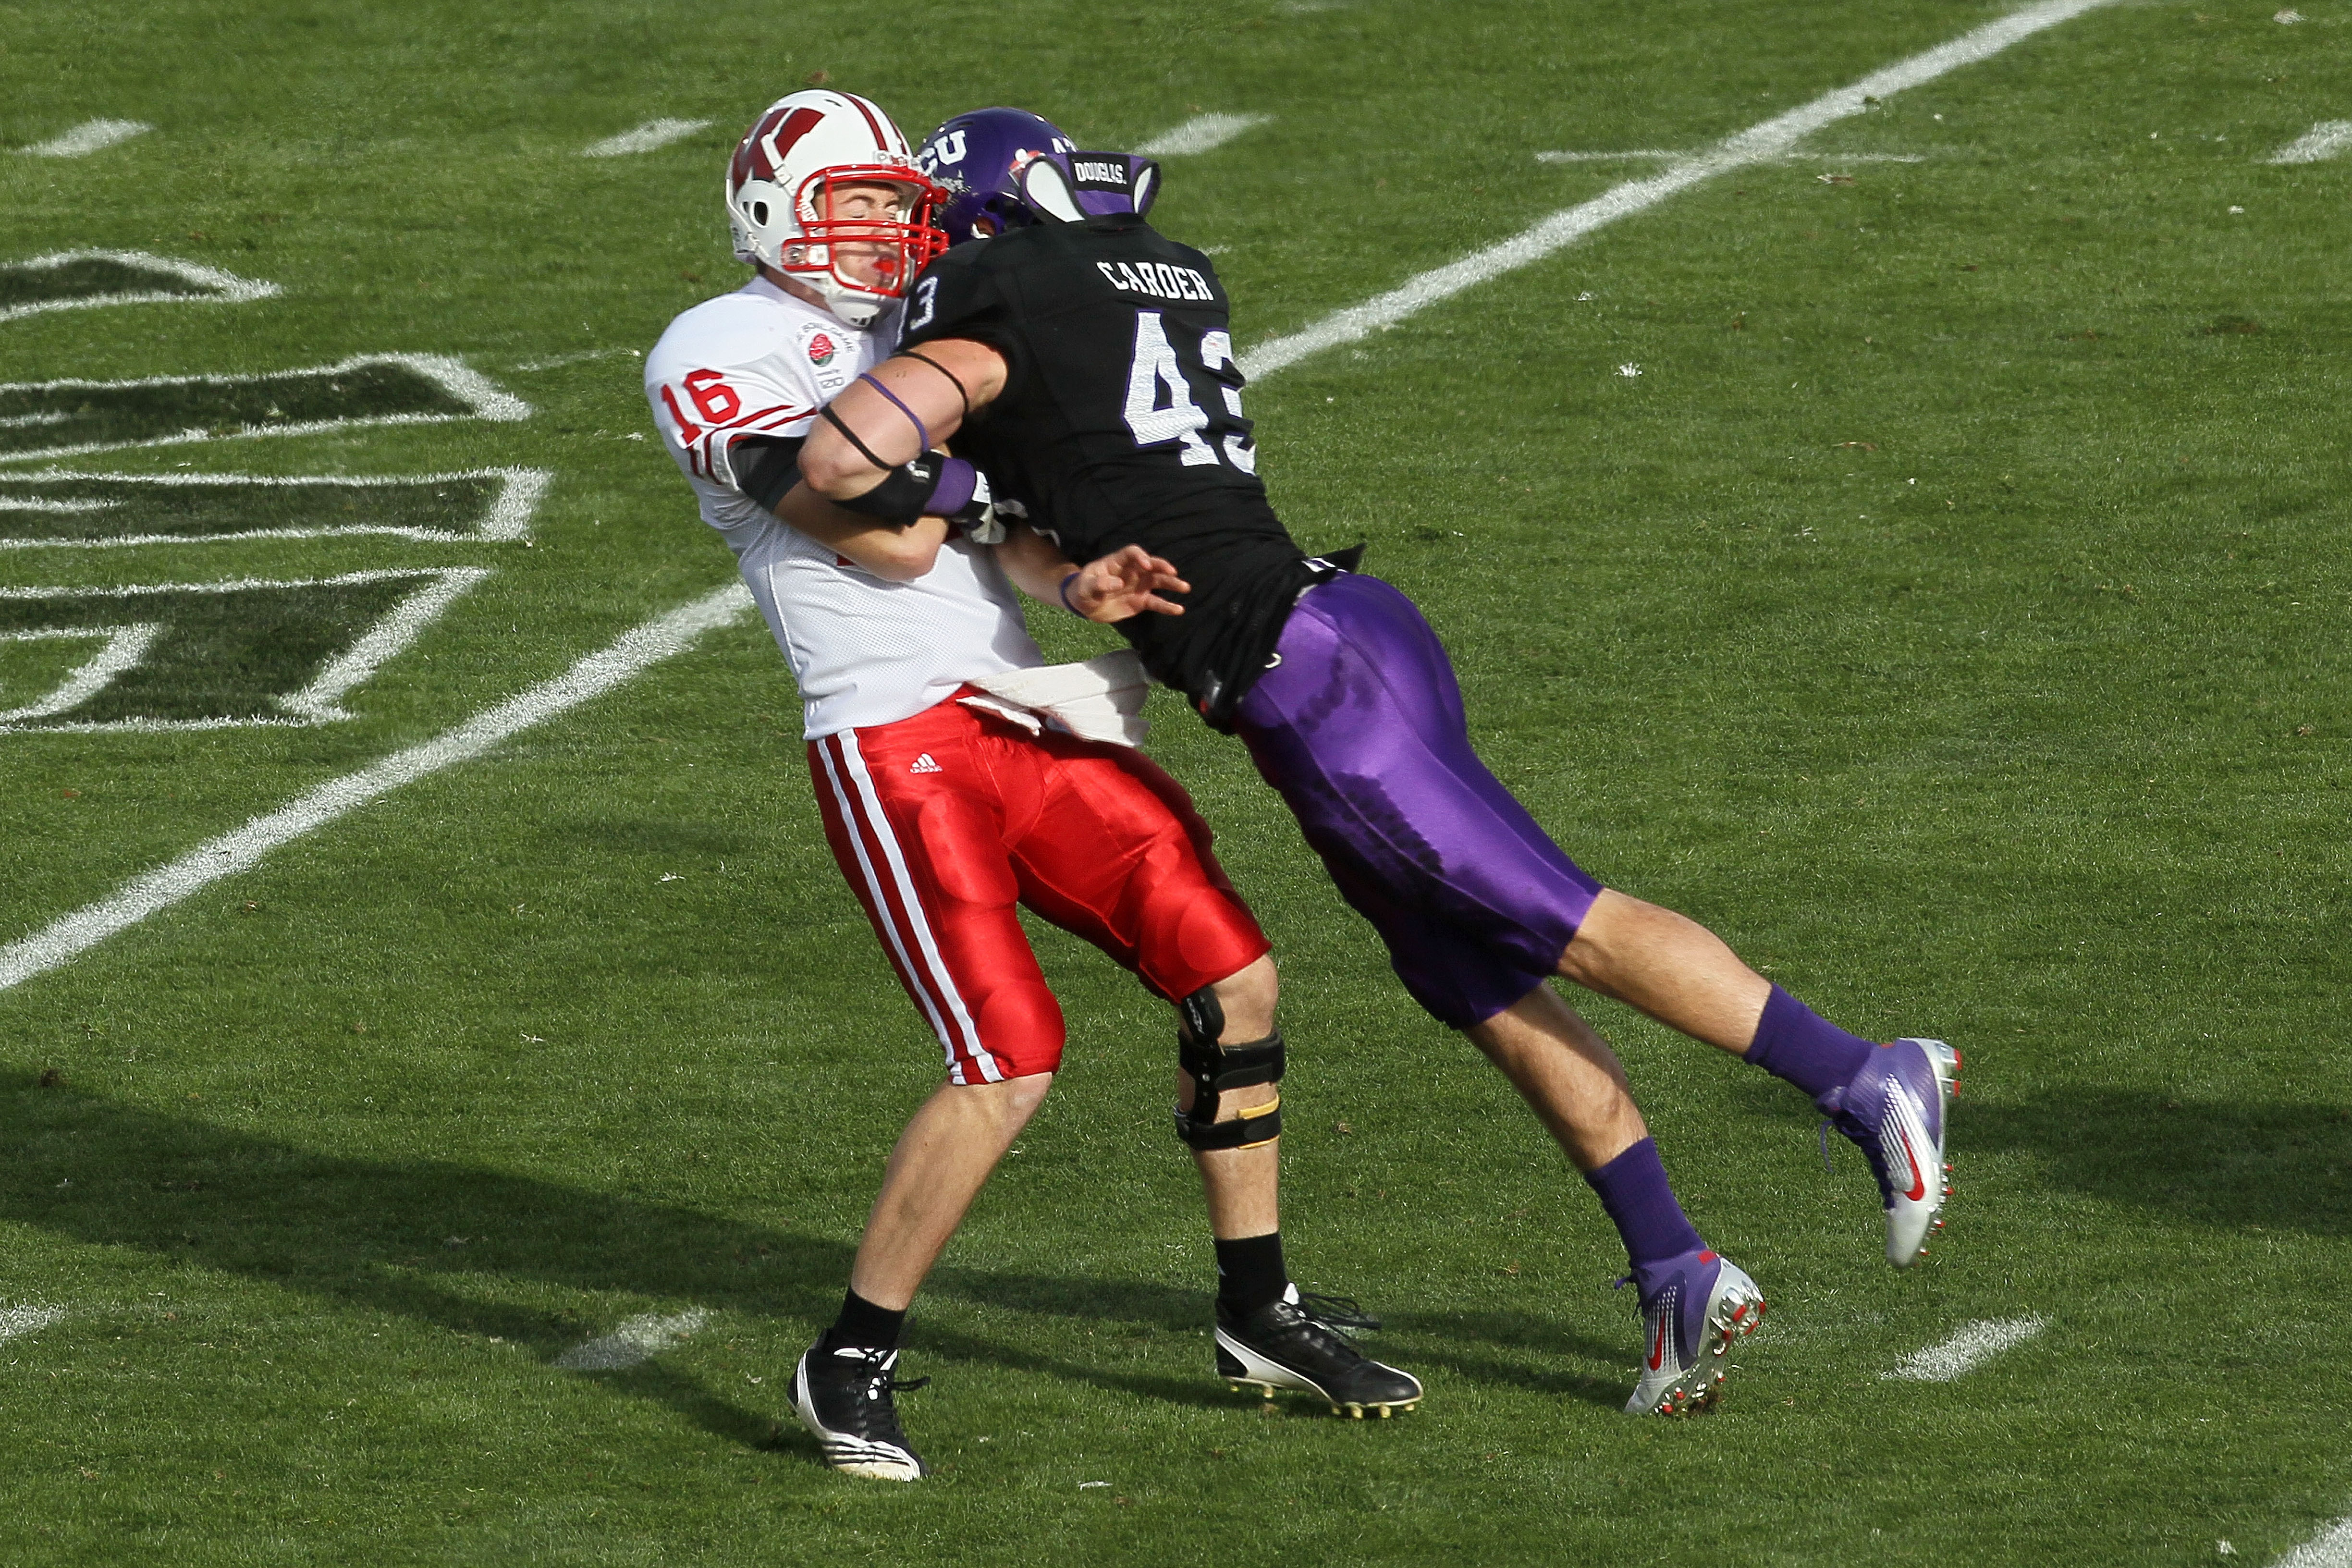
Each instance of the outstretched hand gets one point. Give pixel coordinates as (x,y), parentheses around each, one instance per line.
(1126,582)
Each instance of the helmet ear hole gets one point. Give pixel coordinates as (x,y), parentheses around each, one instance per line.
(760,214)
(1048,190)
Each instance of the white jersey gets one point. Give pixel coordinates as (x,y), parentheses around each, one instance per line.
(864,649)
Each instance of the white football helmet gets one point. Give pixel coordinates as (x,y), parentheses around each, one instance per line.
(780,201)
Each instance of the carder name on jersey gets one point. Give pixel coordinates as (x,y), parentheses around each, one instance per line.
(1160,279)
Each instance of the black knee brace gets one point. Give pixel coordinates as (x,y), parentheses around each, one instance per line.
(1213,1069)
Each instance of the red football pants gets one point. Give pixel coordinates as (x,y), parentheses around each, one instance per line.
(943,821)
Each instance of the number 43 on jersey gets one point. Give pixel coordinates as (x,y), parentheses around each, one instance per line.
(1156,371)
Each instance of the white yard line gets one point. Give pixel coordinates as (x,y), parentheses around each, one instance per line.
(633,1343)
(90,136)
(2323,140)
(16,1320)
(1966,1351)
(1655,154)
(583,357)
(1757,144)
(1203,133)
(653,133)
(659,639)
(224,288)
(2331,1548)
(1662,154)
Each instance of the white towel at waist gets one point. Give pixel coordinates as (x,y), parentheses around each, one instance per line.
(1101,700)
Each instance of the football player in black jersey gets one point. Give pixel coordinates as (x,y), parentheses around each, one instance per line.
(1085,363)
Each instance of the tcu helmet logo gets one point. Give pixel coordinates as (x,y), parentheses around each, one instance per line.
(821,350)
(946,148)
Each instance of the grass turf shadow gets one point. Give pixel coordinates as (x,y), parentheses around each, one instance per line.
(2282,1166)
(2285,1165)
(377,1235)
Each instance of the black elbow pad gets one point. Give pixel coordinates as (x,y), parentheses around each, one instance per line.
(930,484)
(766,467)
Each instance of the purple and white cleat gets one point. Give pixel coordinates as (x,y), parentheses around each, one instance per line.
(1896,1109)
(1694,1306)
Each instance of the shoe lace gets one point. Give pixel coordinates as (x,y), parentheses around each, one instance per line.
(1342,1313)
(884,1381)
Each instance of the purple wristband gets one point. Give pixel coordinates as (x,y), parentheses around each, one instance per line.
(953,491)
(1066,595)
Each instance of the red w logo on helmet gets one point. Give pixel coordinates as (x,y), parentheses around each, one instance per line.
(763,150)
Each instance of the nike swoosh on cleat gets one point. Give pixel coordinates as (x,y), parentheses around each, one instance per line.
(1918,1182)
(1658,1346)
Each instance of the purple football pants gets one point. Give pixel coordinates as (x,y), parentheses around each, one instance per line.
(1359,727)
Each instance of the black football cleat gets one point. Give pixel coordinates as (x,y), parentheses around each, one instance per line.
(1298,1342)
(844,1397)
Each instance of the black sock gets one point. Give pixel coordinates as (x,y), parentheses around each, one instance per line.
(864,1326)
(1250,1273)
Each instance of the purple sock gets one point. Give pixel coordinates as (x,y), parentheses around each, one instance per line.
(1796,1044)
(1633,1189)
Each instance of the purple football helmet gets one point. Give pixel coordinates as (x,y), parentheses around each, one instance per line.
(978,157)
(1006,168)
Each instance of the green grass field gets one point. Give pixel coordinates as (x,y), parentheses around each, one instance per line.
(1953,612)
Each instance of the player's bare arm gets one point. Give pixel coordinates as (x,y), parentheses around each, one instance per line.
(1126,583)
(895,554)
(901,410)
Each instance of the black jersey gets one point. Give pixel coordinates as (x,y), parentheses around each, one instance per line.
(1121,423)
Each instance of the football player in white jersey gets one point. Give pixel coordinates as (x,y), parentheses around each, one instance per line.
(956,779)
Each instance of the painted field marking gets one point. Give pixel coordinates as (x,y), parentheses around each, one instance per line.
(321,702)
(1203,133)
(2323,140)
(475,394)
(1652,154)
(648,643)
(90,136)
(2331,1548)
(634,1343)
(558,362)
(125,647)
(210,285)
(318,702)
(1660,154)
(63,508)
(507,520)
(19,1321)
(653,133)
(1974,1344)
(1757,143)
